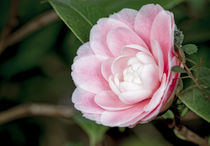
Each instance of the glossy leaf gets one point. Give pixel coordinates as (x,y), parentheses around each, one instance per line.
(190,49)
(168,115)
(78,15)
(194,99)
(178,69)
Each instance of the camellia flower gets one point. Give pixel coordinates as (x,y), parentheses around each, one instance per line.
(123,74)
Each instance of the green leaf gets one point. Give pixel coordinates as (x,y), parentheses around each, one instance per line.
(179,86)
(81,15)
(178,69)
(94,131)
(78,15)
(194,99)
(190,49)
(204,77)
(168,115)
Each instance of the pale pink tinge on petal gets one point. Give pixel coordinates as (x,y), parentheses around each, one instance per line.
(162,32)
(144,20)
(98,35)
(149,76)
(85,50)
(133,97)
(119,64)
(158,55)
(84,101)
(132,49)
(117,118)
(109,101)
(120,37)
(126,16)
(106,68)
(158,95)
(94,117)
(86,73)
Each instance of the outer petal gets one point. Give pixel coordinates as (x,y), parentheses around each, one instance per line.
(171,82)
(120,37)
(158,95)
(85,50)
(163,33)
(109,101)
(84,101)
(87,74)
(126,16)
(158,55)
(98,35)
(118,118)
(94,117)
(144,20)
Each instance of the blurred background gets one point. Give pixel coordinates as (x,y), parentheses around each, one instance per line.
(36,53)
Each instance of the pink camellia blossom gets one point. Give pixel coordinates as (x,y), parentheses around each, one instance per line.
(123,74)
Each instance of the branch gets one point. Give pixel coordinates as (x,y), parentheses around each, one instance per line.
(32,26)
(180,57)
(28,110)
(11,23)
(191,136)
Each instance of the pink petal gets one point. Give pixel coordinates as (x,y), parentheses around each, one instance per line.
(131,50)
(86,73)
(158,95)
(99,33)
(106,68)
(84,101)
(113,86)
(120,37)
(158,55)
(84,50)
(135,121)
(132,97)
(149,76)
(163,33)
(94,117)
(109,101)
(144,20)
(126,16)
(118,118)
(172,80)
(151,115)
(119,64)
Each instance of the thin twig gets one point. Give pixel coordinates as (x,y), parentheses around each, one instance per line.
(186,133)
(32,26)
(191,136)
(188,70)
(11,23)
(28,110)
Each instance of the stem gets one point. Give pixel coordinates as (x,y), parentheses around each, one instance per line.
(192,77)
(32,26)
(180,57)
(28,110)
(191,136)
(11,23)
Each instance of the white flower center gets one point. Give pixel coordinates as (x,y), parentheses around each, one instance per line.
(138,81)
